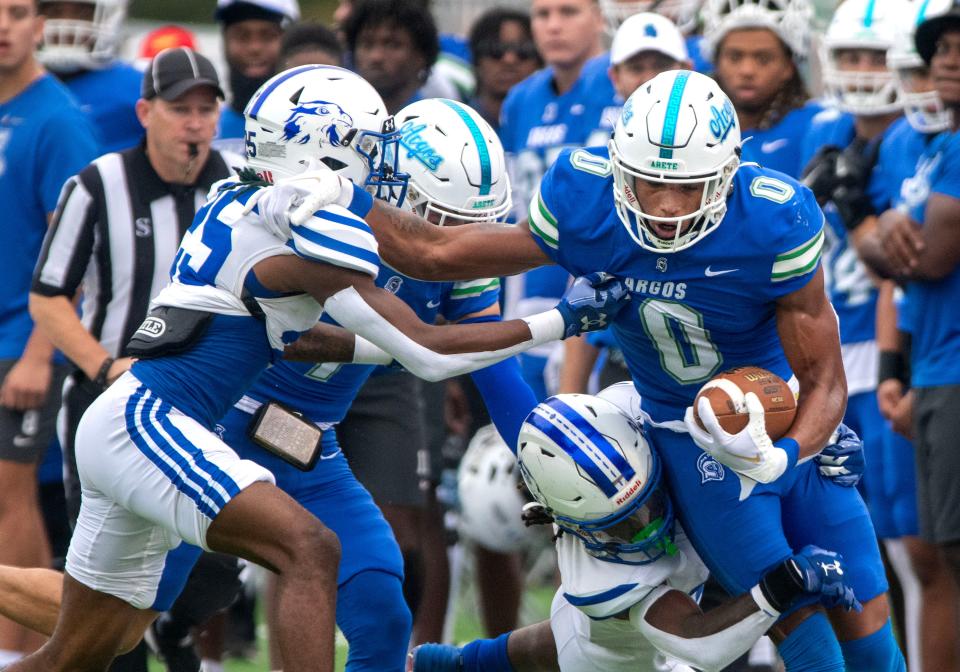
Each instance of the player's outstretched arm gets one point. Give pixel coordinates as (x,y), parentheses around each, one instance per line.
(673,622)
(810,336)
(31,597)
(437,352)
(417,248)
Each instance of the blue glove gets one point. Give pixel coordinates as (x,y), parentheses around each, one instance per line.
(591,303)
(822,574)
(842,461)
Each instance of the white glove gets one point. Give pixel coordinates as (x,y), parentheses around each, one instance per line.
(749,452)
(295,199)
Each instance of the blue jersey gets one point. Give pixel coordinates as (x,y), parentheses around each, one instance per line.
(779,147)
(44,140)
(324,392)
(696,312)
(108,97)
(231,123)
(899,152)
(852,292)
(935,354)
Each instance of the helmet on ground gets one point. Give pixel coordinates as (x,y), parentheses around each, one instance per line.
(788,19)
(590,466)
(491,499)
(861,24)
(72,44)
(322,114)
(455,162)
(678,128)
(921,104)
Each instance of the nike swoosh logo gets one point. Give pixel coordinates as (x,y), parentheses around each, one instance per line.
(433,304)
(773,145)
(710,273)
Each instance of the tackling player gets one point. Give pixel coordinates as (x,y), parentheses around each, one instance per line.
(723,263)
(630,581)
(245,283)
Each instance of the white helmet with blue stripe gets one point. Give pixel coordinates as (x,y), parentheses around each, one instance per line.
(862,24)
(72,44)
(921,103)
(790,20)
(589,465)
(322,114)
(678,128)
(683,13)
(455,162)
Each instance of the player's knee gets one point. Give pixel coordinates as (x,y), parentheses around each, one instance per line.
(312,547)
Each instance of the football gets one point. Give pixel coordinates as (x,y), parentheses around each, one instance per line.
(726,394)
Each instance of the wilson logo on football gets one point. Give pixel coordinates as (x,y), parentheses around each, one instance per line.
(152,327)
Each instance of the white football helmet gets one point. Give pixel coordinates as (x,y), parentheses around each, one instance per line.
(678,128)
(455,162)
(921,104)
(861,24)
(590,466)
(324,114)
(72,44)
(488,486)
(682,12)
(788,19)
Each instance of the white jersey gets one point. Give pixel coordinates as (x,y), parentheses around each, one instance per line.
(594,591)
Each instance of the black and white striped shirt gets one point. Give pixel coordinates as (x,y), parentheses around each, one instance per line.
(115,232)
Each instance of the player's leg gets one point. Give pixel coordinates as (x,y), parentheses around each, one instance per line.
(817,511)
(375,620)
(31,596)
(735,526)
(528,649)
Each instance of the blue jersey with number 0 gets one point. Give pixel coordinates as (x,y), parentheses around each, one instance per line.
(695,312)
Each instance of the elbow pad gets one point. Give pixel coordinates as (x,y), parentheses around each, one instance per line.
(708,653)
(349,309)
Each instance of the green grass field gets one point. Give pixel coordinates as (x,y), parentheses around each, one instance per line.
(466,627)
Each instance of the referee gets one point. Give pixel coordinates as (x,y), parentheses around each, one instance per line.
(116,230)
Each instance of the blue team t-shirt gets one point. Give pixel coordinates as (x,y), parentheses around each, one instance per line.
(44,140)
(695,312)
(108,97)
(780,146)
(935,305)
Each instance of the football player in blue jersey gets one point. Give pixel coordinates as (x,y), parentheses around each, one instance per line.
(758,48)
(80,41)
(247,281)
(630,578)
(723,263)
(569,103)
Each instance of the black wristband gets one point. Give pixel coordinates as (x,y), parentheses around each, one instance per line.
(101,378)
(893,365)
(782,585)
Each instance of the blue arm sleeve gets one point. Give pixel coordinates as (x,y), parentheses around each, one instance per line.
(506,394)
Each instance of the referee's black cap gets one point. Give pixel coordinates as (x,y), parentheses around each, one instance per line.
(175,71)
(929,31)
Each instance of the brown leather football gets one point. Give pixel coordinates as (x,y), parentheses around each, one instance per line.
(726,392)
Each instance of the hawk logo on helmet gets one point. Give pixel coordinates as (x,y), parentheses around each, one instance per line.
(337,126)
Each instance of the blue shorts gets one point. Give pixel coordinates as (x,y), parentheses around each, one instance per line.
(332,493)
(740,540)
(889,485)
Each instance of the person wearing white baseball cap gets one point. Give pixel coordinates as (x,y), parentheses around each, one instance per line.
(645,45)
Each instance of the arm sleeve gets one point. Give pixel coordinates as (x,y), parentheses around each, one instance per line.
(709,653)
(69,242)
(349,309)
(505,393)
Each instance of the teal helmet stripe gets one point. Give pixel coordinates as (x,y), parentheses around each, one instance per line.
(673,111)
(922,14)
(486,171)
(868,15)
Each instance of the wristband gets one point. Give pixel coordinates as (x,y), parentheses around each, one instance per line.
(757,594)
(365,352)
(545,327)
(357,201)
(893,365)
(791,448)
(100,379)
(781,585)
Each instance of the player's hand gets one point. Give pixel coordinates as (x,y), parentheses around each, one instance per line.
(820,174)
(902,417)
(842,459)
(316,189)
(822,573)
(902,241)
(26,385)
(591,303)
(889,394)
(749,452)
